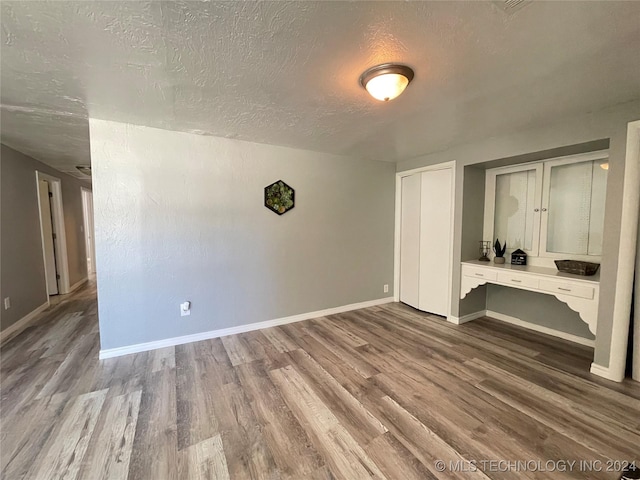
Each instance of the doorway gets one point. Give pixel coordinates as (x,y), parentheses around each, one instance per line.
(53,236)
(48,237)
(90,246)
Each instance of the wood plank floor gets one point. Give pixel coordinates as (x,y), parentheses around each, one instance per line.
(383,392)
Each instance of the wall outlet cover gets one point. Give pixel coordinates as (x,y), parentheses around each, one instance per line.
(7,303)
(386,288)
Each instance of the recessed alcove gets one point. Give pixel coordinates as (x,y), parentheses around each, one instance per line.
(535,309)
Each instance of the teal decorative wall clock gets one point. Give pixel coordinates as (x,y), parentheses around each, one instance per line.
(279,197)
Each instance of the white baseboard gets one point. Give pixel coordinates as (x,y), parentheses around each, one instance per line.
(21,324)
(538,328)
(197,337)
(466,318)
(76,285)
(605,372)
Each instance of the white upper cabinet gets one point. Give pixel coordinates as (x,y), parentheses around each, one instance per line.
(573,205)
(513,207)
(551,209)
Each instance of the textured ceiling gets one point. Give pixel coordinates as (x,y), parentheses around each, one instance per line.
(287,73)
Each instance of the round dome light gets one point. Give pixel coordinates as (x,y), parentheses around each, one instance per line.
(386,82)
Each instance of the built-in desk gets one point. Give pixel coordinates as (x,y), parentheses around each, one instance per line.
(580,293)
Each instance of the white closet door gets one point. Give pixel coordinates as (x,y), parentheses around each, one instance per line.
(410,240)
(435,241)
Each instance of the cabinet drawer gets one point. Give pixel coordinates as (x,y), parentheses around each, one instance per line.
(572,289)
(483,273)
(518,280)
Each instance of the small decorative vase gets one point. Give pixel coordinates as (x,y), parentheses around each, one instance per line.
(498,260)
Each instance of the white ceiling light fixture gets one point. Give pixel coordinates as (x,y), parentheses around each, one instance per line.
(387,81)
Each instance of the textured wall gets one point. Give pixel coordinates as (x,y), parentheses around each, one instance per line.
(181,217)
(22,276)
(609,123)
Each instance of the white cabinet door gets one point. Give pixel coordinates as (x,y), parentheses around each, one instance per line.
(435,241)
(410,240)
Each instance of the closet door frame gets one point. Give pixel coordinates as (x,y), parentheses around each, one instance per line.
(396,264)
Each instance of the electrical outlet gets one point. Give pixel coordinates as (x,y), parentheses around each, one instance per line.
(7,303)
(185,309)
(386,288)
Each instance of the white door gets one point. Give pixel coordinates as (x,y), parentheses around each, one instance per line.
(87,206)
(47,237)
(410,240)
(435,241)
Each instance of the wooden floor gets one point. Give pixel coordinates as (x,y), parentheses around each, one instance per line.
(383,392)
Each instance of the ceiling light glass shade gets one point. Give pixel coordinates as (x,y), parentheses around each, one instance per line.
(387,87)
(386,82)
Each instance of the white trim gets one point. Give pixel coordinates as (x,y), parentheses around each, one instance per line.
(57,210)
(89,234)
(426,168)
(605,372)
(398,210)
(197,337)
(76,285)
(541,329)
(21,324)
(396,240)
(626,257)
(466,318)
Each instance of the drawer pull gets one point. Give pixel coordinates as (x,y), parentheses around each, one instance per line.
(479,274)
(564,289)
(516,281)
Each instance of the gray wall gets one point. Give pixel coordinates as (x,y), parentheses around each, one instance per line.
(181,217)
(610,123)
(471,233)
(22,276)
(540,309)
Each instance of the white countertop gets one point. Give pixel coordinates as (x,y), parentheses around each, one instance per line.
(551,272)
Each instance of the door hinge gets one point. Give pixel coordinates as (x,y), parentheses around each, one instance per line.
(57,276)
(50,195)
(54,236)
